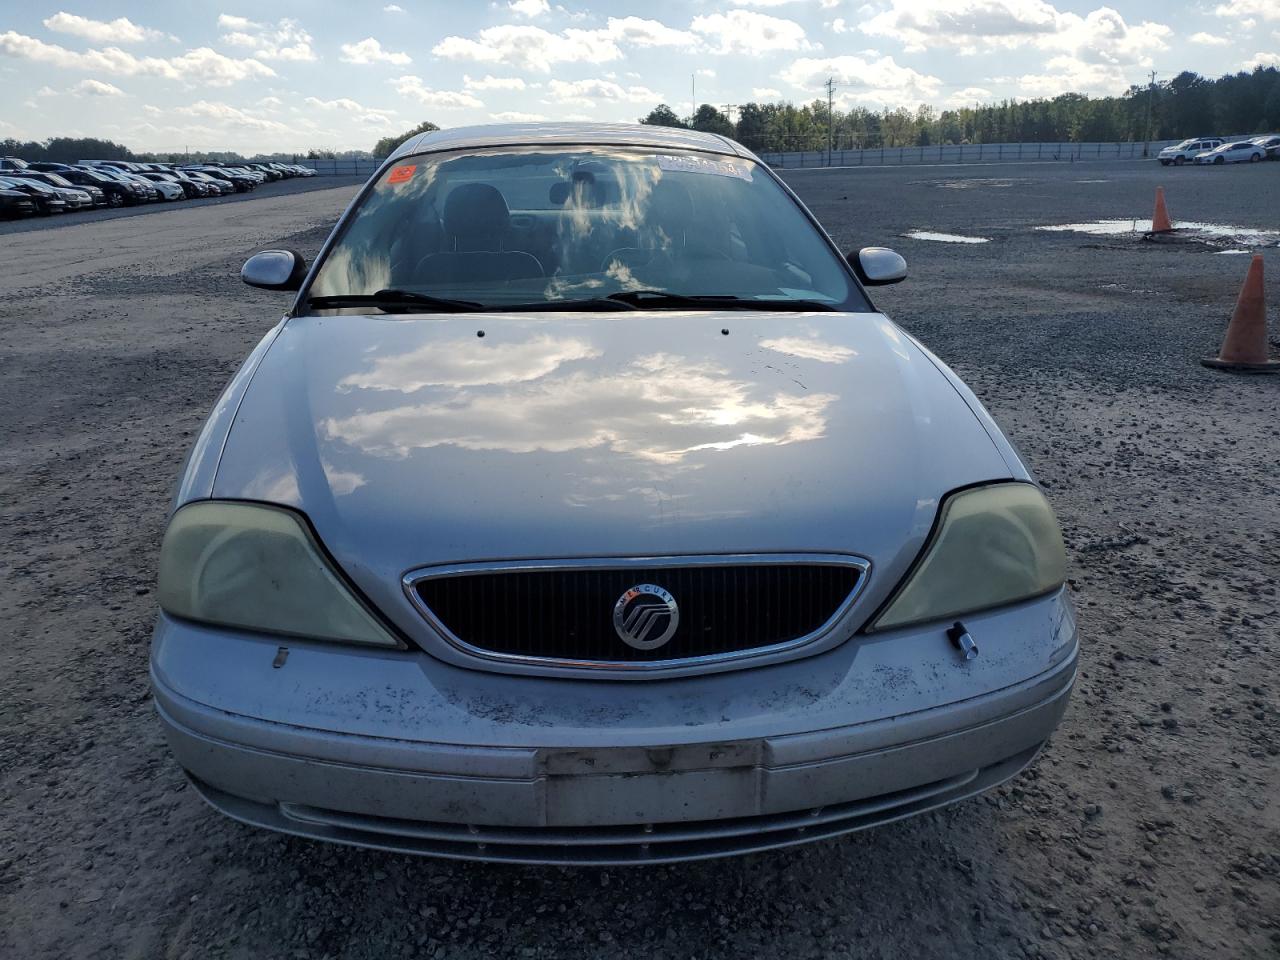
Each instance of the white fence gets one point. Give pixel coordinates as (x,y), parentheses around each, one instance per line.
(886,156)
(967,153)
(343,168)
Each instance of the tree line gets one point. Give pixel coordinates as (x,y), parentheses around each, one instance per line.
(1188,105)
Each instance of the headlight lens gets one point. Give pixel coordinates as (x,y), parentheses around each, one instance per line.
(992,545)
(258,567)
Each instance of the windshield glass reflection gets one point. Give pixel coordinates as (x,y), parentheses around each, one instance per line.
(524,225)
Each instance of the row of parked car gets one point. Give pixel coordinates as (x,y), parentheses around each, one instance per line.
(1215,150)
(42,188)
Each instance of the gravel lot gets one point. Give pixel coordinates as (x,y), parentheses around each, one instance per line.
(1150,826)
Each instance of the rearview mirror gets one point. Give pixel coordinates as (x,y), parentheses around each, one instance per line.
(274,270)
(878,266)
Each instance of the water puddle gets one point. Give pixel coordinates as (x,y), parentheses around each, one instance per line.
(1210,233)
(944,237)
(1100,228)
(977,182)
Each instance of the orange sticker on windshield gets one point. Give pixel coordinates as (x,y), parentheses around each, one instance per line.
(401,174)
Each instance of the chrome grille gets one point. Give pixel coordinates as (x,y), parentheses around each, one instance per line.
(564,612)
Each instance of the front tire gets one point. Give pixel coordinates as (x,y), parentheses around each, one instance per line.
(1164,163)
(1254,158)
(1219,161)
(1179,161)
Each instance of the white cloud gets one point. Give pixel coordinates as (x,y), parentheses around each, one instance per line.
(765,93)
(1209,39)
(1067,73)
(46,91)
(229,22)
(1264,9)
(1262,60)
(393,8)
(120,30)
(969,96)
(838,25)
(529,8)
(286,40)
(413,87)
(917,24)
(201,65)
(96,88)
(488,82)
(639,32)
(370,50)
(1101,36)
(516,116)
(230,115)
(779,3)
(348,106)
(588,92)
(748,32)
(881,79)
(526,47)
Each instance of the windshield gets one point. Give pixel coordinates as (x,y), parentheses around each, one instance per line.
(522,225)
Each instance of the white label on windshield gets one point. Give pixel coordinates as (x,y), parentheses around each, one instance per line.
(716,168)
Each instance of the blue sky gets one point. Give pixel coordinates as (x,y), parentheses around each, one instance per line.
(292,75)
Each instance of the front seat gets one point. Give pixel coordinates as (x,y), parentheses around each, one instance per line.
(476,220)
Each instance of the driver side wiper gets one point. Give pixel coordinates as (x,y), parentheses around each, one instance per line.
(664,300)
(396,301)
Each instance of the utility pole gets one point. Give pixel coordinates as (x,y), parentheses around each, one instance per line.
(1151,95)
(728,111)
(693,97)
(831,94)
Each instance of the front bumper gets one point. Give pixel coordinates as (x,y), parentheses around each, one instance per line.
(400,752)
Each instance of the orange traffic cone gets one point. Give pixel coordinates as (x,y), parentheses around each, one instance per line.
(1160,222)
(1245,348)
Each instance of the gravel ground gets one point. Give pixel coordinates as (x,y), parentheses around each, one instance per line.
(1149,826)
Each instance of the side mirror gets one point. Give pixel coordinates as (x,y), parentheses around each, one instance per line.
(878,266)
(274,270)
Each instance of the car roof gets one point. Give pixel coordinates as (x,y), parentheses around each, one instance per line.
(570,134)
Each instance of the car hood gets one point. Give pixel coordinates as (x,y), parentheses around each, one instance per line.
(419,440)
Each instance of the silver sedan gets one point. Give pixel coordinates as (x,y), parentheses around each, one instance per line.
(582,508)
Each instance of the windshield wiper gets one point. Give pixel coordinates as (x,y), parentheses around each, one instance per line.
(397,301)
(589,303)
(664,300)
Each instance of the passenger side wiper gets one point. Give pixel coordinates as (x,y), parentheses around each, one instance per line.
(664,300)
(397,301)
(589,303)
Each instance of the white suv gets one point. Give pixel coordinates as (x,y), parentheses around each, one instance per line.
(1187,150)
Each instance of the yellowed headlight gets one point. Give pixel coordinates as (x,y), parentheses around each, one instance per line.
(992,545)
(260,568)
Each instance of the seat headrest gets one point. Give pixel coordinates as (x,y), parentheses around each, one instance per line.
(476,217)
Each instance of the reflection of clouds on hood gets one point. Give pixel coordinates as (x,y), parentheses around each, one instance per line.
(659,407)
(470,362)
(809,349)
